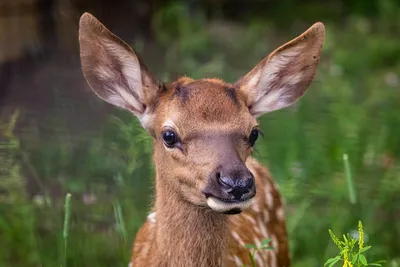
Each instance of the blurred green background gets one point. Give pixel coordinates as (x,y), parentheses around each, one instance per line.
(57,137)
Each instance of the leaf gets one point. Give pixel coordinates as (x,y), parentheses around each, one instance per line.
(329,261)
(346,241)
(364,249)
(377,263)
(363,260)
(332,261)
(251,246)
(267,248)
(265,241)
(355,259)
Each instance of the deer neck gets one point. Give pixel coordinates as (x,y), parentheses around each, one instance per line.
(187,234)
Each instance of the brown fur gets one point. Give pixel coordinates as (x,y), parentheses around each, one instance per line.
(213,120)
(204,238)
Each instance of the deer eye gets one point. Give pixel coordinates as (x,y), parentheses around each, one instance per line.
(253,137)
(170,138)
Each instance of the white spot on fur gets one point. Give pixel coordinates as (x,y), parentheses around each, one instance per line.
(275,243)
(152,217)
(273,260)
(238,261)
(257,242)
(258,259)
(262,227)
(255,206)
(220,206)
(249,218)
(238,239)
(256,230)
(145,249)
(280,214)
(266,215)
(269,199)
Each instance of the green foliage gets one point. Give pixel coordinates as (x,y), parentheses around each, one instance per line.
(17,220)
(34,229)
(253,249)
(349,253)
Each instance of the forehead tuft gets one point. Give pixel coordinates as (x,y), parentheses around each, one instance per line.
(205,89)
(211,99)
(196,105)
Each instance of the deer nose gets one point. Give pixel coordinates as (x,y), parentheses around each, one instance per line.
(237,186)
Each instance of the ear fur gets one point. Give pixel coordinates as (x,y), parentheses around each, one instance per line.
(284,76)
(114,71)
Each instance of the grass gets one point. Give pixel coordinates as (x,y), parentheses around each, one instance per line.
(349,179)
(351,109)
(67,216)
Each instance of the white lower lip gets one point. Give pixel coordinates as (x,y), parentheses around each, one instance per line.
(220,206)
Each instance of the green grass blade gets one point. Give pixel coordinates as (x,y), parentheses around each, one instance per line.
(349,179)
(67,215)
(120,221)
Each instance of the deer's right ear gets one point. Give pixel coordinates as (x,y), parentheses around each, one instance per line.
(113,70)
(283,77)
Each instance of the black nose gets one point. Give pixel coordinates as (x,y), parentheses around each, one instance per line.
(236,185)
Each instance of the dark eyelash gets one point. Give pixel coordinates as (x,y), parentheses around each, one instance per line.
(261,132)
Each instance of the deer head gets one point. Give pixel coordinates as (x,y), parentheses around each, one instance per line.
(203,130)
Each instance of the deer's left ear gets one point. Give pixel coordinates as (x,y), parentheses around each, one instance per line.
(283,77)
(114,71)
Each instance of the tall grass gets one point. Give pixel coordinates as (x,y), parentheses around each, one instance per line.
(67,216)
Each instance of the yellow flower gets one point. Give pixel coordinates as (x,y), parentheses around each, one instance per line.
(335,239)
(346,262)
(360,235)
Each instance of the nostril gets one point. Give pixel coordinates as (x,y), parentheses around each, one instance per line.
(225,182)
(249,182)
(236,184)
(218,175)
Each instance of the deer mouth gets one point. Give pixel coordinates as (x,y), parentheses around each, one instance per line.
(228,206)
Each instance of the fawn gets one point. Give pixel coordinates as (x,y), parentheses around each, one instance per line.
(206,207)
